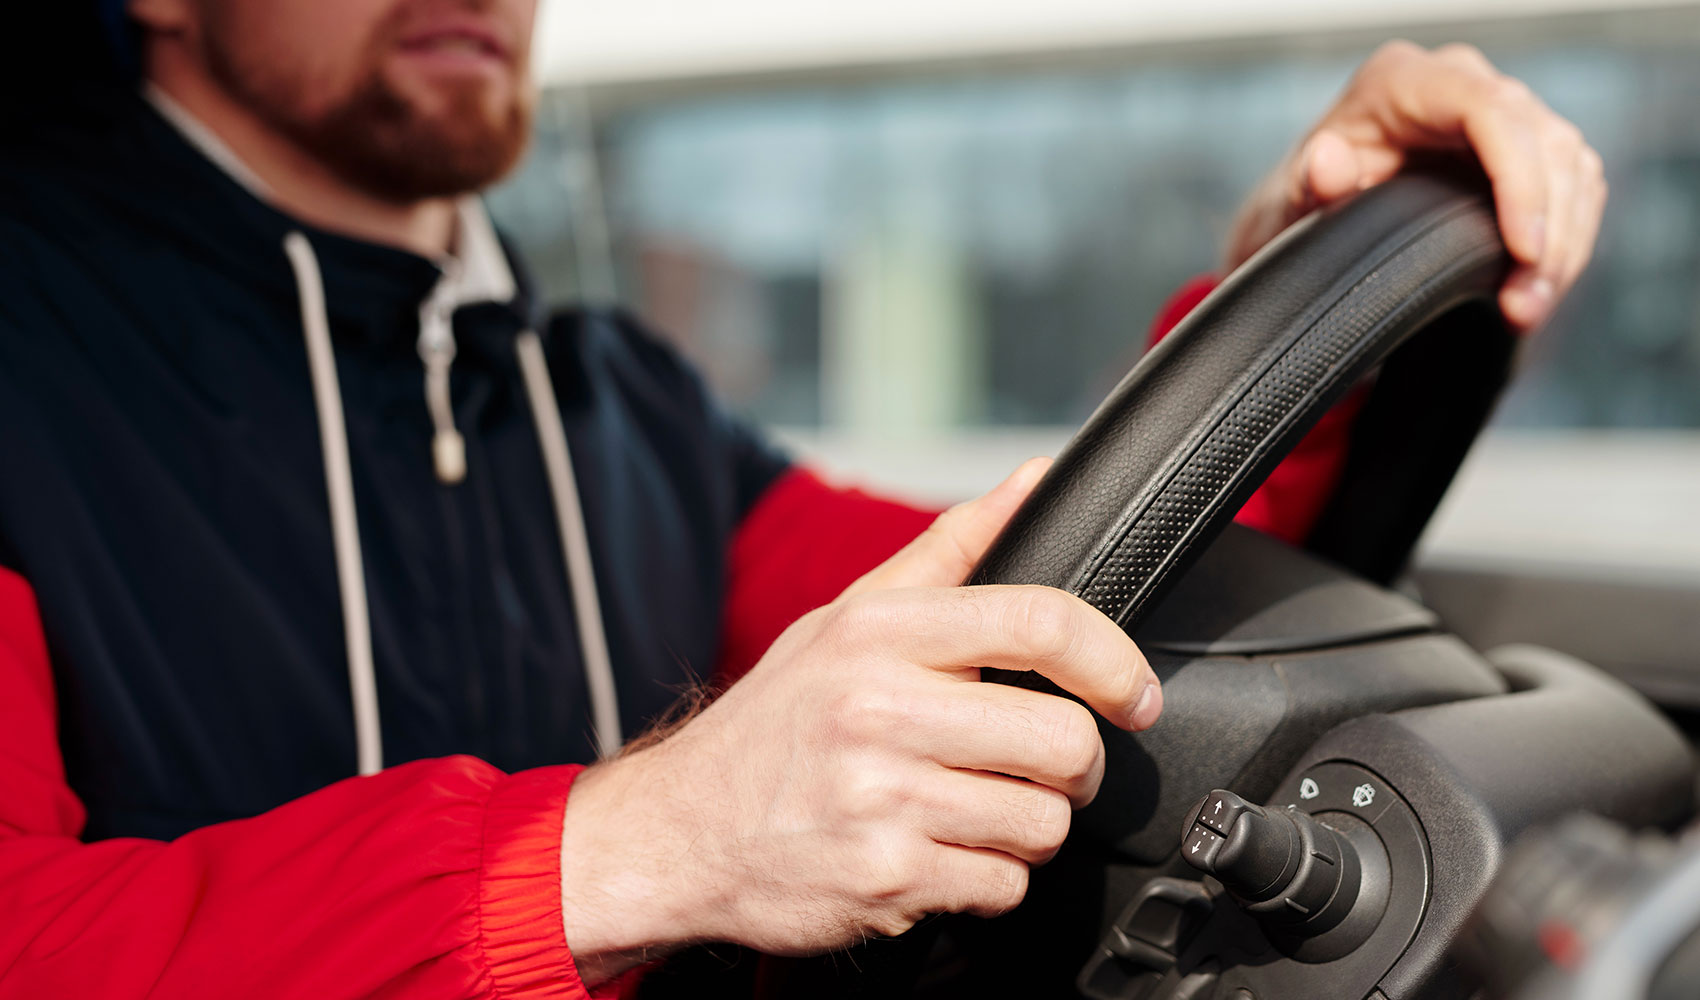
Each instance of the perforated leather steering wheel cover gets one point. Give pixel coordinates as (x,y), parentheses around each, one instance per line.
(1168,458)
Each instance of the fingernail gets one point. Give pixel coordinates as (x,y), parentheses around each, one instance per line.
(1149,707)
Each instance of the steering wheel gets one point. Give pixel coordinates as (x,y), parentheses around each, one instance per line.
(1332,719)
(1200,422)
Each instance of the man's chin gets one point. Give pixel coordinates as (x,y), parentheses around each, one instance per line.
(401,146)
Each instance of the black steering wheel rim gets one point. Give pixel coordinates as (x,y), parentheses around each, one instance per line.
(1170,455)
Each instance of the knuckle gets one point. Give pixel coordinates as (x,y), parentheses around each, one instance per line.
(888,873)
(1593,167)
(1042,624)
(1075,743)
(1051,817)
(856,620)
(1562,140)
(1118,682)
(880,708)
(1508,93)
(835,623)
(1006,887)
(861,715)
(892,924)
(1463,53)
(1132,682)
(1399,50)
(811,627)
(869,794)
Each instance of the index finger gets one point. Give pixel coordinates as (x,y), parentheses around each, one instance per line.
(1506,141)
(1431,100)
(1039,629)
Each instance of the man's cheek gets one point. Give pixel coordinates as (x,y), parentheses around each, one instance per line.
(522,15)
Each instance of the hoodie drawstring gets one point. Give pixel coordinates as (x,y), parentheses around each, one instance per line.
(437,350)
(449,458)
(339,482)
(575,543)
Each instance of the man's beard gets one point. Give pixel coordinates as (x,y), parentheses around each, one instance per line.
(376,139)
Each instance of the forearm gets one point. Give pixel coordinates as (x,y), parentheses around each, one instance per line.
(431,880)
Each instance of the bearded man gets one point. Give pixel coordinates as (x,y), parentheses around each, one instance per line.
(327,561)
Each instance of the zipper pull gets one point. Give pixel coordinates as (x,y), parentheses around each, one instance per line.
(437,350)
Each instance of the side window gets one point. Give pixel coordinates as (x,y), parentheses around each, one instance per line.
(926,271)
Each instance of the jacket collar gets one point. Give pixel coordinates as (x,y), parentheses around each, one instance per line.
(476,270)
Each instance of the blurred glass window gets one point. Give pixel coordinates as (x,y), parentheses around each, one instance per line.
(953,246)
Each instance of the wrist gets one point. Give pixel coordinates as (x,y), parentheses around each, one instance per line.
(634,884)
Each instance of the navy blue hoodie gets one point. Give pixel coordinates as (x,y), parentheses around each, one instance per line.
(162,488)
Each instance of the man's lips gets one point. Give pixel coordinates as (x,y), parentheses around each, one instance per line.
(458,36)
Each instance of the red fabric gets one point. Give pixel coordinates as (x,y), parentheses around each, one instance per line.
(434,879)
(1183,301)
(1290,500)
(798,548)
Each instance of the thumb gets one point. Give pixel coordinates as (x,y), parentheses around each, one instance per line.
(943,555)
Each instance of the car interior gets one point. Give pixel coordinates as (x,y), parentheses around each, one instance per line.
(1376,778)
(1350,796)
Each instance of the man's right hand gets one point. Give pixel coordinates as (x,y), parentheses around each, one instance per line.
(858,777)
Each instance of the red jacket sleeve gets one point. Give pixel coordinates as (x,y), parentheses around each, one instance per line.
(435,879)
(1290,500)
(802,543)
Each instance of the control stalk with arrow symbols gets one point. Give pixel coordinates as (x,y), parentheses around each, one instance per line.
(1318,885)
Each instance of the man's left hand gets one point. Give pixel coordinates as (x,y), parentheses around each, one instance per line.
(1548,183)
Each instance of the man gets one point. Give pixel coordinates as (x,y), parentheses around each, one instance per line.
(285,444)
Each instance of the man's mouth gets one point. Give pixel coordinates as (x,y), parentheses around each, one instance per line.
(458,42)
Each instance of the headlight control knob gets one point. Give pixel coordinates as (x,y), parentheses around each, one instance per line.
(1299,876)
